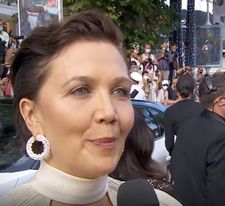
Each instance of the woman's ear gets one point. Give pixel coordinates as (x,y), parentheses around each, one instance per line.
(27,110)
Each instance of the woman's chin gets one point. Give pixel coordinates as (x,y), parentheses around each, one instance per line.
(105,169)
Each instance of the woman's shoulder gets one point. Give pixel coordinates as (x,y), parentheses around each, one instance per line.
(24,195)
(165,199)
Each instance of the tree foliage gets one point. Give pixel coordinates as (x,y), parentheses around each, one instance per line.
(8,2)
(141,21)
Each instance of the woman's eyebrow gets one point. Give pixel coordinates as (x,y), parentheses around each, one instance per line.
(125,80)
(80,79)
(117,80)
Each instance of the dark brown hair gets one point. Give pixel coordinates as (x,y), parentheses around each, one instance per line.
(185,85)
(136,161)
(210,88)
(30,66)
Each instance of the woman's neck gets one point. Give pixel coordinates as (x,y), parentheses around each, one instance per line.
(65,189)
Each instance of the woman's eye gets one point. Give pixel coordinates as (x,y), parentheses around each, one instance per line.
(122,92)
(80,91)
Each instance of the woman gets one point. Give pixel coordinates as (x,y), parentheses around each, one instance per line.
(136,161)
(163,95)
(147,85)
(184,109)
(69,115)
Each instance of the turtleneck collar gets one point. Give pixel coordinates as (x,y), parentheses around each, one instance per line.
(65,188)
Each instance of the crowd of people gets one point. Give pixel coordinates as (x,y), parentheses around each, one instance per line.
(155,73)
(197,155)
(91,139)
(8,47)
(194,121)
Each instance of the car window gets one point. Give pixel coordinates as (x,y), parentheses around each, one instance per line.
(159,118)
(151,117)
(10,150)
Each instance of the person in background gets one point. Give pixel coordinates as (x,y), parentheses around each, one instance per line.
(200,75)
(198,78)
(148,60)
(147,84)
(146,55)
(181,111)
(136,91)
(163,59)
(33,12)
(153,83)
(29,13)
(134,57)
(136,161)
(173,62)
(197,162)
(162,96)
(2,52)
(133,68)
(7,85)
(77,127)
(172,91)
(4,35)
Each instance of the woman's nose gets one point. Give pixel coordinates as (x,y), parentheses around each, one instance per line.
(105,109)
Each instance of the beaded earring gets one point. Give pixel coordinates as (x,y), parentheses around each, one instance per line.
(46,147)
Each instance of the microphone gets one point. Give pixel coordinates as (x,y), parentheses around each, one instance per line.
(137,192)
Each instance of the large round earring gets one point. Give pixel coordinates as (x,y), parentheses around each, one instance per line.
(46,147)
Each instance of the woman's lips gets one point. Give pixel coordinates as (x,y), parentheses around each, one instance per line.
(107,142)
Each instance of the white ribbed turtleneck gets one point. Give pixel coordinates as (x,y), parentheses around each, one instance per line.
(65,188)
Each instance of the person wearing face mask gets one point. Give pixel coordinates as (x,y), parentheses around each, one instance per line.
(4,35)
(147,56)
(162,96)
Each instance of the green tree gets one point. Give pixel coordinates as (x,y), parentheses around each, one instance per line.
(141,21)
(8,2)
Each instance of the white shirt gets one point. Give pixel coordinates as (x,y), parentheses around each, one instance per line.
(141,94)
(5,37)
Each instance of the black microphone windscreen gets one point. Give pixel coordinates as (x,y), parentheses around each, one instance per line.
(137,192)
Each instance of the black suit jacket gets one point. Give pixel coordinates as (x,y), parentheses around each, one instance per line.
(198,161)
(175,116)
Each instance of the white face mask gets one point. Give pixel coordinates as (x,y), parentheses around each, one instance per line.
(145,77)
(147,51)
(165,87)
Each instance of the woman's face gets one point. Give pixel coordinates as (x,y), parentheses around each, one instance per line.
(84,109)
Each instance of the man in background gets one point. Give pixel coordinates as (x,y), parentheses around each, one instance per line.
(198,157)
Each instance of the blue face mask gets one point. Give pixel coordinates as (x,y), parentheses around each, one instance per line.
(1,28)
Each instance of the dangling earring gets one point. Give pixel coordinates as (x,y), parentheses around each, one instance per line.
(46,147)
